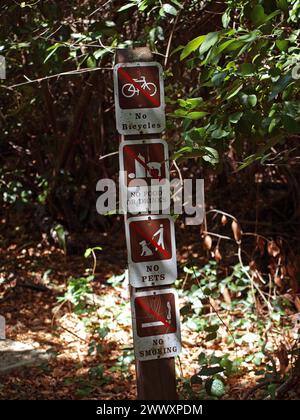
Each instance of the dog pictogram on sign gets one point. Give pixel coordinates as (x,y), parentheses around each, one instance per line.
(156,324)
(151,250)
(139,98)
(150,240)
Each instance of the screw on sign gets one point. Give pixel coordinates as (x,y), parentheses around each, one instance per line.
(156,324)
(139,98)
(151,250)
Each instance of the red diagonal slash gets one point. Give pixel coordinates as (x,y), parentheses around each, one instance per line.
(147,308)
(137,86)
(153,172)
(152,241)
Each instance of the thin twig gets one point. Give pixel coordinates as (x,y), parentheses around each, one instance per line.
(221,212)
(100,8)
(181,180)
(205,232)
(178,171)
(256,235)
(108,155)
(66,73)
(170,38)
(75,335)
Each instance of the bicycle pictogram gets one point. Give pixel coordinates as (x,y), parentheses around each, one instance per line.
(129,89)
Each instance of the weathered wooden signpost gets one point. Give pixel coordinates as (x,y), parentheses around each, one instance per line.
(140,118)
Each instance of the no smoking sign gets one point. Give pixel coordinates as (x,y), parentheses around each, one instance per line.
(139,98)
(156,324)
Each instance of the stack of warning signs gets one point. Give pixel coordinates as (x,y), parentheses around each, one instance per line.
(140,111)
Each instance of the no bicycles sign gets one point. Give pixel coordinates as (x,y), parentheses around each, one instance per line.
(139,98)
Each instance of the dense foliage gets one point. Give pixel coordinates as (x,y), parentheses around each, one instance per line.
(232,83)
(231,76)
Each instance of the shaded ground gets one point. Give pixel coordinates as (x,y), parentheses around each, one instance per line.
(76,371)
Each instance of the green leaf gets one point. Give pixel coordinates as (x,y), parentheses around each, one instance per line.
(53,50)
(178,3)
(178,113)
(196,115)
(190,103)
(218,78)
(250,37)
(226,19)
(282,44)
(229,45)
(179,48)
(194,102)
(196,379)
(236,87)
(168,8)
(280,85)
(110,23)
(234,118)
(248,100)
(247,69)
(211,155)
(192,46)
(283,5)
(202,358)
(210,39)
(273,124)
(258,15)
(219,133)
(195,134)
(290,124)
(252,100)
(126,6)
(215,387)
(211,336)
(209,371)
(101,53)
(260,152)
(91,62)
(181,152)
(212,328)
(270,16)
(88,252)
(60,233)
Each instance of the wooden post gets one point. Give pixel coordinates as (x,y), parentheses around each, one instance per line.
(156,379)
